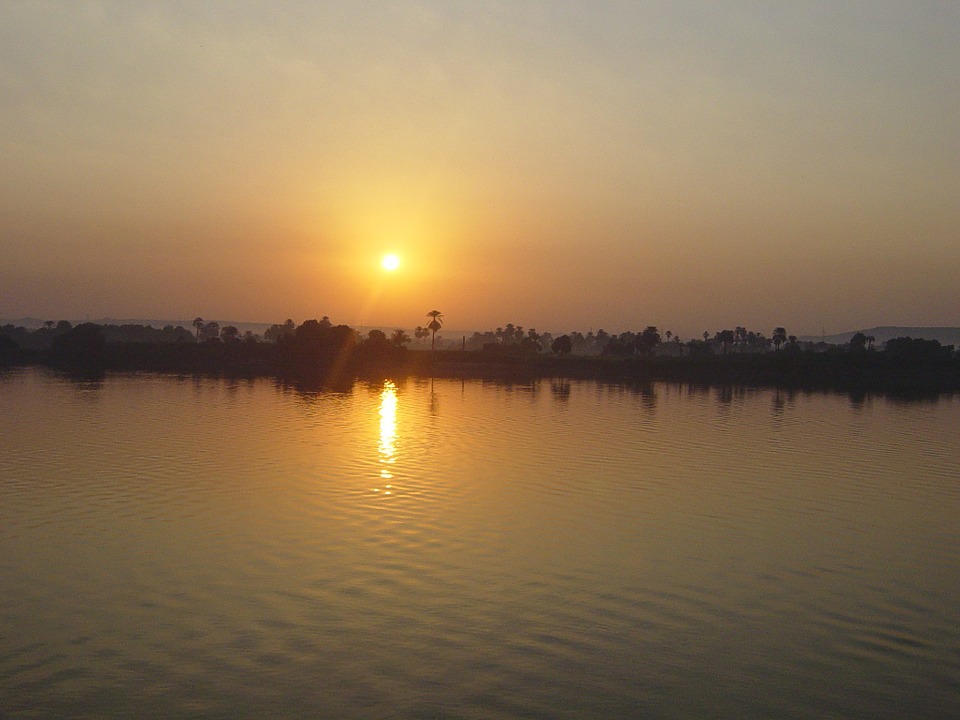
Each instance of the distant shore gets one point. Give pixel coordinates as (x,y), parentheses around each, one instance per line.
(915,368)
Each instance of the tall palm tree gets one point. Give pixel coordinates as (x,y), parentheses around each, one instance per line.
(198,324)
(779,337)
(740,336)
(435,324)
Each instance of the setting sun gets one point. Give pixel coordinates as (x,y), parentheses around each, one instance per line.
(390,262)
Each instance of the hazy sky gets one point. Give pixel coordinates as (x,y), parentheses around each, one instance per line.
(558,165)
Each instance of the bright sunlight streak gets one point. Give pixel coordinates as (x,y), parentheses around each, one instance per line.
(387,449)
(390,262)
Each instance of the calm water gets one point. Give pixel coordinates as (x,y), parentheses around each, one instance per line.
(207,548)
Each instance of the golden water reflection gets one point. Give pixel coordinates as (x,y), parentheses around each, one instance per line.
(387,449)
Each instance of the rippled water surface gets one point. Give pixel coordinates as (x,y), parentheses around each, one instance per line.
(207,548)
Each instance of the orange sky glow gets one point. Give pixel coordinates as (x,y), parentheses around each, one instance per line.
(562,166)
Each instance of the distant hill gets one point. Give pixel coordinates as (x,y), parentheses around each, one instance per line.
(28,322)
(946,335)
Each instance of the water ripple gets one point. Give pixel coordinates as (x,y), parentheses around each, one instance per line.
(199,547)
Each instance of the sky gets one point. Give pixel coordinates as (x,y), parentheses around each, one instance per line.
(557,165)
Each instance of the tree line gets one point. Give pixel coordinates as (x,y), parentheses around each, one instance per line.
(322,352)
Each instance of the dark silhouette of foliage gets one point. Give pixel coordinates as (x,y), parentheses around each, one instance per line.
(230,334)
(562,345)
(399,338)
(648,340)
(917,350)
(531,345)
(377,351)
(377,337)
(8,350)
(84,346)
(434,325)
(317,349)
(275,332)
(623,345)
(319,354)
(421,334)
(726,338)
(210,332)
(858,343)
(779,337)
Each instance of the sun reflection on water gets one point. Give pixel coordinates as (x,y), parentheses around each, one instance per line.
(387,449)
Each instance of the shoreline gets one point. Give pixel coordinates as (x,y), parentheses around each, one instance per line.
(869,372)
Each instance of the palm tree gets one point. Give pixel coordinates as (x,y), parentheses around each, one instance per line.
(198,324)
(779,337)
(435,324)
(725,338)
(399,338)
(740,336)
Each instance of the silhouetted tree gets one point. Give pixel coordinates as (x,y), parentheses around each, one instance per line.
(726,339)
(436,322)
(230,334)
(315,347)
(601,339)
(648,340)
(399,338)
(858,343)
(740,337)
(210,331)
(916,349)
(563,345)
(275,332)
(421,334)
(531,343)
(699,348)
(779,337)
(82,347)
(623,345)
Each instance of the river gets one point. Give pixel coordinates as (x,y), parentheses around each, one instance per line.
(198,547)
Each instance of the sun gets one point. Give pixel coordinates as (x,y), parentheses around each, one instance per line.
(390,262)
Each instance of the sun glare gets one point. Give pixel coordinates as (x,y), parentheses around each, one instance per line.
(390,262)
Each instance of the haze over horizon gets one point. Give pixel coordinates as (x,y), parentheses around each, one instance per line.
(561,166)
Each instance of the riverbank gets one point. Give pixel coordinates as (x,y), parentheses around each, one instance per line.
(841,371)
